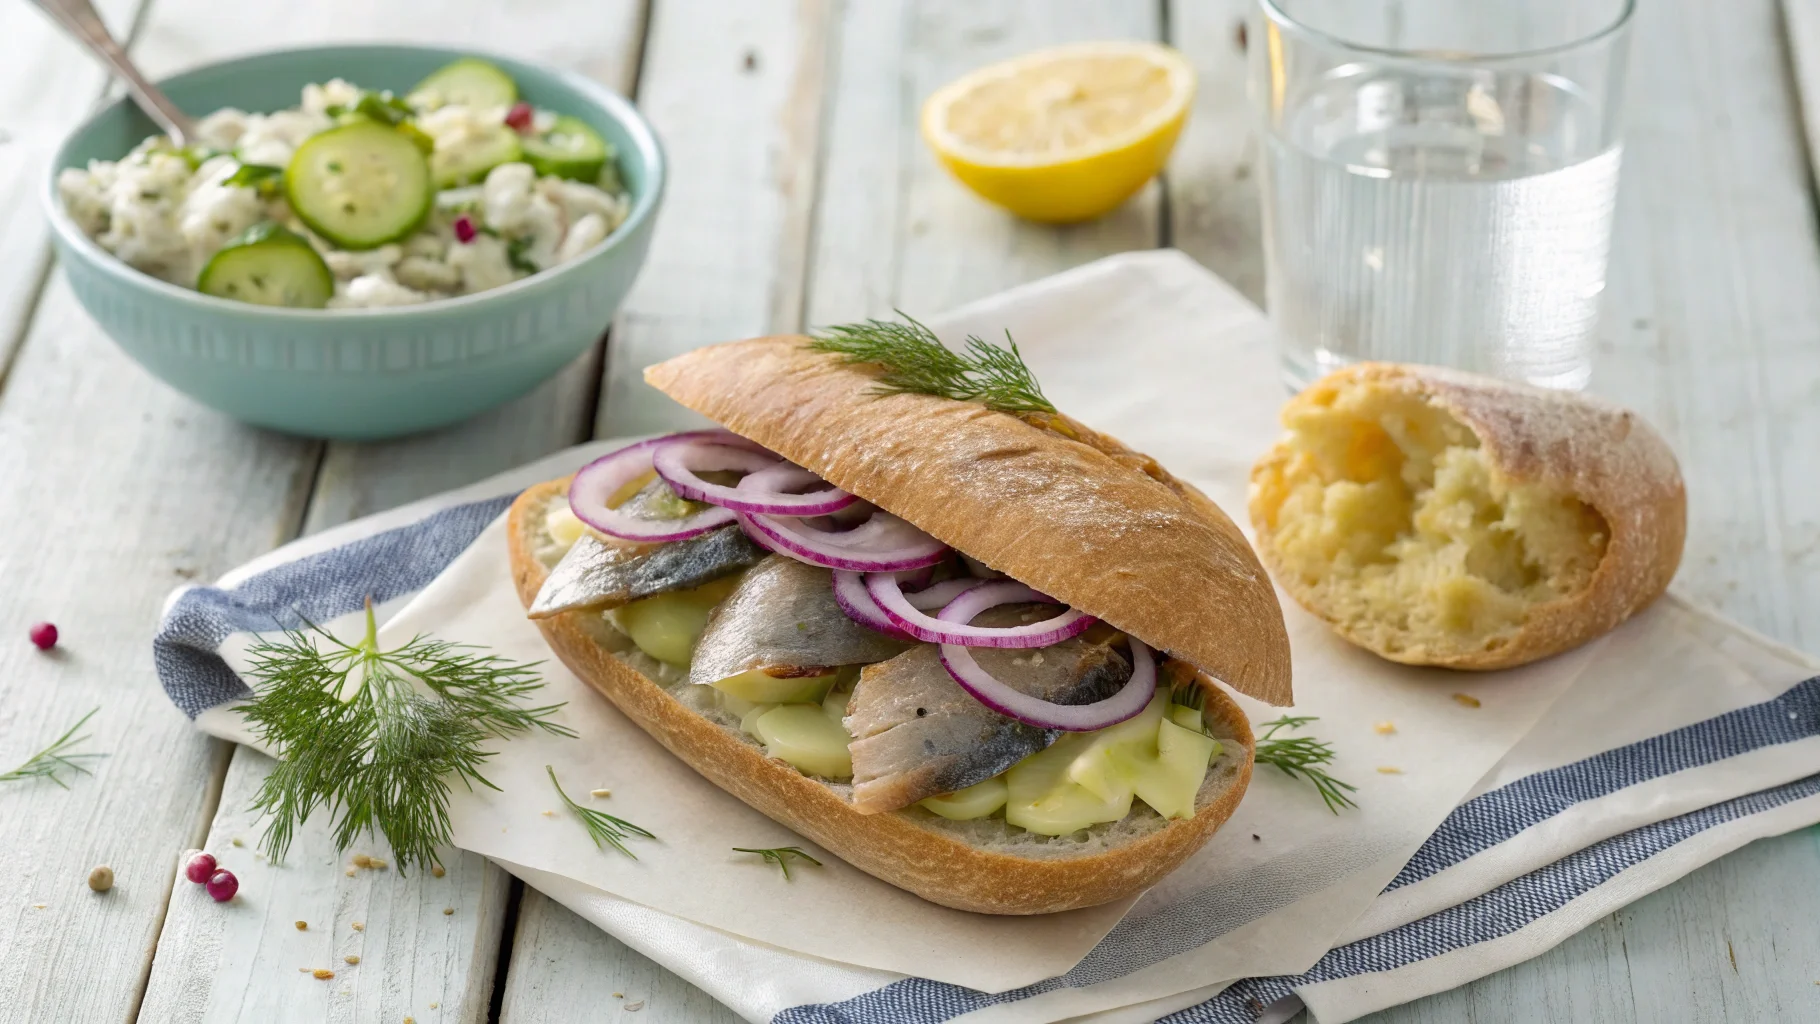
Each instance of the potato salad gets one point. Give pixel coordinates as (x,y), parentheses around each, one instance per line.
(358,198)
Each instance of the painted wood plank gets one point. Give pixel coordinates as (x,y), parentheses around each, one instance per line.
(48,83)
(117,490)
(893,229)
(414,960)
(734,91)
(564,968)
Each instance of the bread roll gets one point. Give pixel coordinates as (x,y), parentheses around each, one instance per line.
(1441,518)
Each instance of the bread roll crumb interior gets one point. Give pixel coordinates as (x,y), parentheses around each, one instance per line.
(1387,512)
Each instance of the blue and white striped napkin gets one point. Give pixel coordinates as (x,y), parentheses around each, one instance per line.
(1676,740)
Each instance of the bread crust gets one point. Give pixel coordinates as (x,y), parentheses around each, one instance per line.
(891,846)
(1041,498)
(1605,455)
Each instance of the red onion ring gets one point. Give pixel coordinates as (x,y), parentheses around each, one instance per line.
(891,600)
(936,596)
(850,593)
(761,489)
(596,483)
(1128,703)
(882,544)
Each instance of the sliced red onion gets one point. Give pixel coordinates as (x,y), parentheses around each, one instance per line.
(850,593)
(1128,703)
(882,544)
(936,596)
(762,489)
(896,605)
(596,483)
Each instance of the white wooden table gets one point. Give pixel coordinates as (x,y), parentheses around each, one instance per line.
(801,195)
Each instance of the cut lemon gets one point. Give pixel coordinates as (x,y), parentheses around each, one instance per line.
(1064,134)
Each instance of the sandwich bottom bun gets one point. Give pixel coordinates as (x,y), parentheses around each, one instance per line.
(983,865)
(1440,518)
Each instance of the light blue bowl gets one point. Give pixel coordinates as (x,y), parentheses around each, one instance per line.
(359,373)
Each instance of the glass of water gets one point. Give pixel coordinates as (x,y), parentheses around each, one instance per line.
(1439,180)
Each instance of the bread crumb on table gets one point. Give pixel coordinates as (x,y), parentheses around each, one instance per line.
(1385,728)
(352,872)
(322,974)
(436,871)
(1467,699)
(351,959)
(360,926)
(447,911)
(303,926)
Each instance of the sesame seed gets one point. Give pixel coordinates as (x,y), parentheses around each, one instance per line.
(1385,728)
(1467,699)
(1385,769)
(322,974)
(351,959)
(549,814)
(598,793)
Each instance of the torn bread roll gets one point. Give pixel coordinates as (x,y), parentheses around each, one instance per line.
(1440,518)
(1038,498)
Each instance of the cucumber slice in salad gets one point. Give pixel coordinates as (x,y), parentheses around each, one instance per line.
(360,185)
(469,81)
(468,161)
(269,266)
(570,149)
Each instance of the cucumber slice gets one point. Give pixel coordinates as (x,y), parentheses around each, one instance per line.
(269,266)
(468,161)
(570,149)
(469,81)
(360,185)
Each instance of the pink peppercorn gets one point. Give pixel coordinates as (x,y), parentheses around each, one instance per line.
(464,229)
(44,636)
(519,117)
(222,886)
(198,867)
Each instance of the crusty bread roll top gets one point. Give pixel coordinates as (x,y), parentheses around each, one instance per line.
(1041,498)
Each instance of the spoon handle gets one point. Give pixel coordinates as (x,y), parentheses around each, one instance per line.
(78,18)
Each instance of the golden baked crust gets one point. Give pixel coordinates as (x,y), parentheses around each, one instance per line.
(1567,444)
(1042,499)
(935,865)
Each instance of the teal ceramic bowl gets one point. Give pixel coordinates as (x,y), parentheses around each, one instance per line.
(360,373)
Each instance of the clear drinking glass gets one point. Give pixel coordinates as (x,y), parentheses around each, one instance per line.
(1439,177)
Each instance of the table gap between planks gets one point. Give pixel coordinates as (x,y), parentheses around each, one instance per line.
(801,195)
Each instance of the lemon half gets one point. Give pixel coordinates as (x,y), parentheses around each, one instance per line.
(1065,134)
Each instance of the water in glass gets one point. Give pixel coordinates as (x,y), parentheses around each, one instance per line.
(1451,216)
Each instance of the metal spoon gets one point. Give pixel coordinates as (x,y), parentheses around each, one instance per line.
(79,19)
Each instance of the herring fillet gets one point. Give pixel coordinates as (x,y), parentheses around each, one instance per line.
(918,734)
(782,618)
(597,574)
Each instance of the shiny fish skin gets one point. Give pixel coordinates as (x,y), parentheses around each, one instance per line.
(598,574)
(783,619)
(901,756)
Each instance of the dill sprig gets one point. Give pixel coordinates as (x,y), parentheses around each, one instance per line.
(57,757)
(374,735)
(914,361)
(603,827)
(1303,757)
(780,856)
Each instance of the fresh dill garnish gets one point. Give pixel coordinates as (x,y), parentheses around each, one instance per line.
(914,361)
(46,763)
(374,735)
(518,255)
(1303,757)
(603,827)
(780,856)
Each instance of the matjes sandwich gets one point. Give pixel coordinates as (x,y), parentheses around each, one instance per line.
(904,607)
